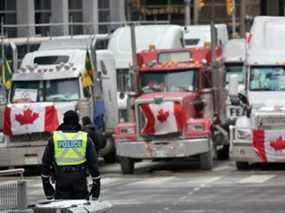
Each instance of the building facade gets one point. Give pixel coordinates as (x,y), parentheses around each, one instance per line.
(175,11)
(66,17)
(58,17)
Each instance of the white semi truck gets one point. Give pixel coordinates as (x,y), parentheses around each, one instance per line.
(48,83)
(258,135)
(234,57)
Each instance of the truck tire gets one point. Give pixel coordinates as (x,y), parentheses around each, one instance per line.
(127,165)
(223,154)
(110,156)
(242,166)
(207,159)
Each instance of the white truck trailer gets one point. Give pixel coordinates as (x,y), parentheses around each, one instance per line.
(200,35)
(48,83)
(258,136)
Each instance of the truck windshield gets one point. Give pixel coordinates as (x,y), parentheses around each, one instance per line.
(62,90)
(267,79)
(235,70)
(169,81)
(39,91)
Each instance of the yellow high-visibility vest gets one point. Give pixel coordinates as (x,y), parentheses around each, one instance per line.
(70,148)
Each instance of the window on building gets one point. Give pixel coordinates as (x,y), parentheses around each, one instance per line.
(104,15)
(75,16)
(8,16)
(42,16)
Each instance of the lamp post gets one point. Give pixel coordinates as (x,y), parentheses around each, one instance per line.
(187,12)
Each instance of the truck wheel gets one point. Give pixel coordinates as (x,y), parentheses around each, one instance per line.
(242,165)
(223,154)
(207,159)
(110,156)
(127,165)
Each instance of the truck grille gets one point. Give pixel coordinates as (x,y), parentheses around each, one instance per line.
(162,120)
(29,137)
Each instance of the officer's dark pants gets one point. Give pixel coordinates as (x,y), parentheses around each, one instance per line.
(71,186)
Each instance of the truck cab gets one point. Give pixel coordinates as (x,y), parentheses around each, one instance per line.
(173,112)
(257,136)
(50,82)
(163,36)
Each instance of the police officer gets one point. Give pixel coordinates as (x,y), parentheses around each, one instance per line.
(68,159)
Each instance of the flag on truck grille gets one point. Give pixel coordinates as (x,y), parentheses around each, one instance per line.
(6,74)
(87,79)
(269,145)
(160,119)
(26,118)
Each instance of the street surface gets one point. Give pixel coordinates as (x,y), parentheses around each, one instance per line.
(182,187)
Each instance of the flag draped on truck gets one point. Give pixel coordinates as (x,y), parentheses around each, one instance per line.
(26,118)
(167,117)
(269,145)
(87,79)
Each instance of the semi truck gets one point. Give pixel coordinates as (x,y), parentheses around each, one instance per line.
(234,57)
(49,82)
(258,135)
(176,111)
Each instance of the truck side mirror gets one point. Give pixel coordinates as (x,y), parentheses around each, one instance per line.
(233,85)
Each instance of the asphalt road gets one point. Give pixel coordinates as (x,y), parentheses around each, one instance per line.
(182,187)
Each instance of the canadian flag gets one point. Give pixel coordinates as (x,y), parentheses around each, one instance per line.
(269,145)
(167,117)
(24,118)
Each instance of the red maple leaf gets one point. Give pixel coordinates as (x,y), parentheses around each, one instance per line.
(162,116)
(27,117)
(278,144)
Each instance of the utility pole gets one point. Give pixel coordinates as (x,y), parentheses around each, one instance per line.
(187,12)
(196,12)
(234,31)
(213,11)
(242,18)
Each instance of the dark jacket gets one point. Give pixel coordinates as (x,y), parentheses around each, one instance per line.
(70,180)
(98,139)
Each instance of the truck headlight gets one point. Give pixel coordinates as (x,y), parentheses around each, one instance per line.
(243,134)
(195,127)
(128,131)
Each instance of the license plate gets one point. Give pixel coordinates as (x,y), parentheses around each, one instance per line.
(161,153)
(31,160)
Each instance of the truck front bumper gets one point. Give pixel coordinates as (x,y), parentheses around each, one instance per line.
(163,149)
(243,152)
(21,156)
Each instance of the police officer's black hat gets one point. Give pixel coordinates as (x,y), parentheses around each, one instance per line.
(71,117)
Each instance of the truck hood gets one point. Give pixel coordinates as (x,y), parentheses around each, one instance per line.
(166,96)
(266,100)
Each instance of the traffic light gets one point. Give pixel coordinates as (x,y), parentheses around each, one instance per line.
(200,3)
(230,6)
